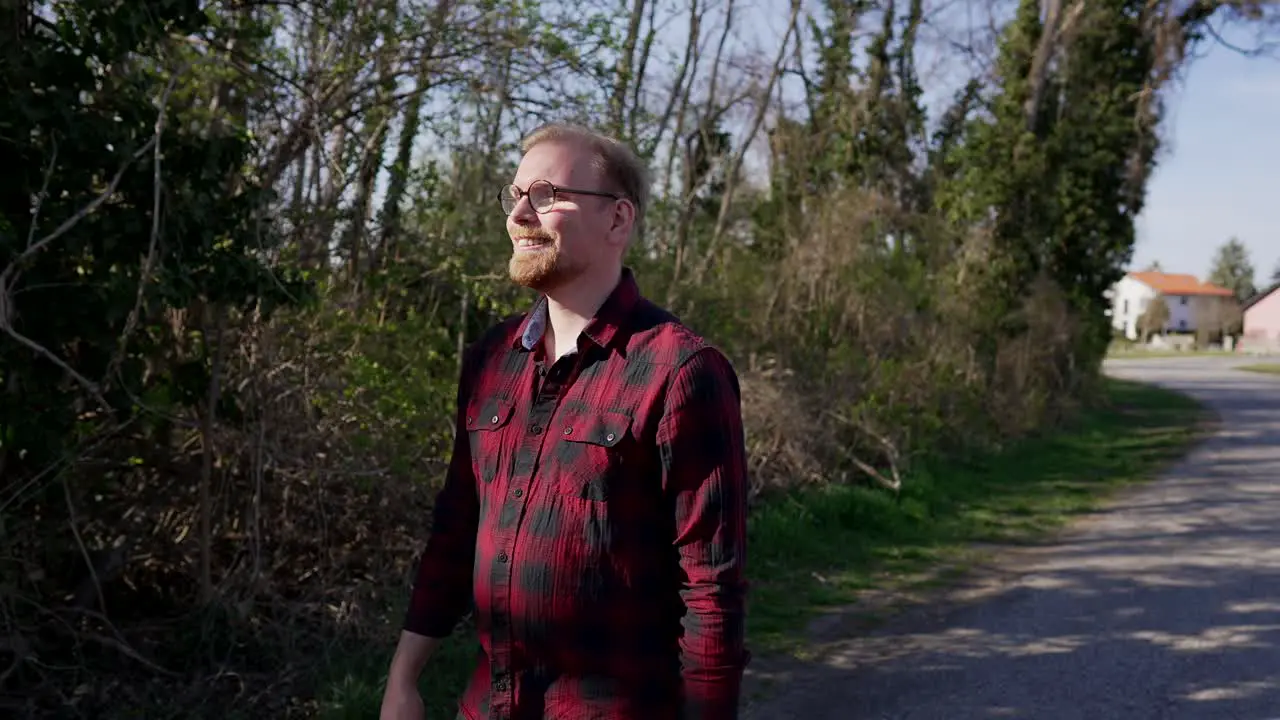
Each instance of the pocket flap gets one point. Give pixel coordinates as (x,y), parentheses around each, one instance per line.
(488,413)
(603,428)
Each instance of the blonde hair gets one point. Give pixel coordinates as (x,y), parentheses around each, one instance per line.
(617,164)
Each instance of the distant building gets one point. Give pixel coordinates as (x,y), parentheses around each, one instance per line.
(1185,295)
(1262,322)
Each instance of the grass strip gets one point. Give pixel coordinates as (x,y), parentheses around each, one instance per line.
(1265,368)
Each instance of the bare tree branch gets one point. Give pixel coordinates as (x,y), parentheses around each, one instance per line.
(735,164)
(148,264)
(7,274)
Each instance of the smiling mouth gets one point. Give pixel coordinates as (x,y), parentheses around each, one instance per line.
(529,243)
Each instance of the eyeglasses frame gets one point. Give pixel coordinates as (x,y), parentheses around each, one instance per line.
(556,191)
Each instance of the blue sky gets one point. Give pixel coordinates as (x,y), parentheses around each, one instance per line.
(1219,174)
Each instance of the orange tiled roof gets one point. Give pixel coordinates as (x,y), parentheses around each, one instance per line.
(1171,284)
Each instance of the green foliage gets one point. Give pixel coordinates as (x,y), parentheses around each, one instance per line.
(80,115)
(1102,151)
(1058,176)
(393,388)
(1233,270)
(1000,183)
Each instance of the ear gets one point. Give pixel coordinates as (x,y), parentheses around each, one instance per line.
(624,218)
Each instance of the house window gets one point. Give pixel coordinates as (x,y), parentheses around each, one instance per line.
(1182,324)
(1126,308)
(1182,300)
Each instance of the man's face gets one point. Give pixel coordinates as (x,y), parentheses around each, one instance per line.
(571,238)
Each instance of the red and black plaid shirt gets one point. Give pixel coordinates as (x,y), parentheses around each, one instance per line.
(595,513)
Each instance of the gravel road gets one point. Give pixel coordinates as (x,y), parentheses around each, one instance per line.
(1167,606)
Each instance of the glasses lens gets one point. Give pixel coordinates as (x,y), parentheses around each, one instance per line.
(508,196)
(542,195)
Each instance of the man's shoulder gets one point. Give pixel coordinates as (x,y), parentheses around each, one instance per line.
(498,336)
(660,337)
(677,350)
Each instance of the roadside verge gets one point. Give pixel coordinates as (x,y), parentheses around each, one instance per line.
(1264,368)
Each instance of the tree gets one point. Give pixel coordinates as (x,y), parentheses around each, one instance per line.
(1155,318)
(1275,273)
(1233,270)
(1098,193)
(1153,266)
(1217,317)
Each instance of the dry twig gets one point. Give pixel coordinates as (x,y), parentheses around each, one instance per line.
(148,264)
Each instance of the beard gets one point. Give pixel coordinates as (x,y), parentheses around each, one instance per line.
(543,269)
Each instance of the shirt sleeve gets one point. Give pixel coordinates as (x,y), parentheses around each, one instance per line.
(442,589)
(704,466)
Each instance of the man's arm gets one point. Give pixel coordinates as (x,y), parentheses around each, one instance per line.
(442,589)
(704,466)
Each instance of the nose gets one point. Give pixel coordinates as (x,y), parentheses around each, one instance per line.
(523,213)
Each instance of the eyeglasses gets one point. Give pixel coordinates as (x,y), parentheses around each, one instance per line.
(542,195)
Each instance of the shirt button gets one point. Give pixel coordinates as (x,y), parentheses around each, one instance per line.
(502,557)
(609,437)
(493,420)
(536,429)
(568,430)
(518,492)
(500,683)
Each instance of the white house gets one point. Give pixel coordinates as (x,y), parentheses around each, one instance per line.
(1184,295)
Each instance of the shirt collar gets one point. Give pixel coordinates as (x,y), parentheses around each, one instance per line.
(608,322)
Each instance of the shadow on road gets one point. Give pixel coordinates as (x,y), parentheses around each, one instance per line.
(1165,606)
(1179,623)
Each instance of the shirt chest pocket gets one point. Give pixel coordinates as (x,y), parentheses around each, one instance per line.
(591,454)
(487,420)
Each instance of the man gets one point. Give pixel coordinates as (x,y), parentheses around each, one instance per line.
(595,507)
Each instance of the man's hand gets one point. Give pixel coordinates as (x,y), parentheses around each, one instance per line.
(401,701)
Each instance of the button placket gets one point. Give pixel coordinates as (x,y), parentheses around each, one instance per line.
(500,572)
(500,627)
(538,425)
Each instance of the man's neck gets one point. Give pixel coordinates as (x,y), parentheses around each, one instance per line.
(570,309)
